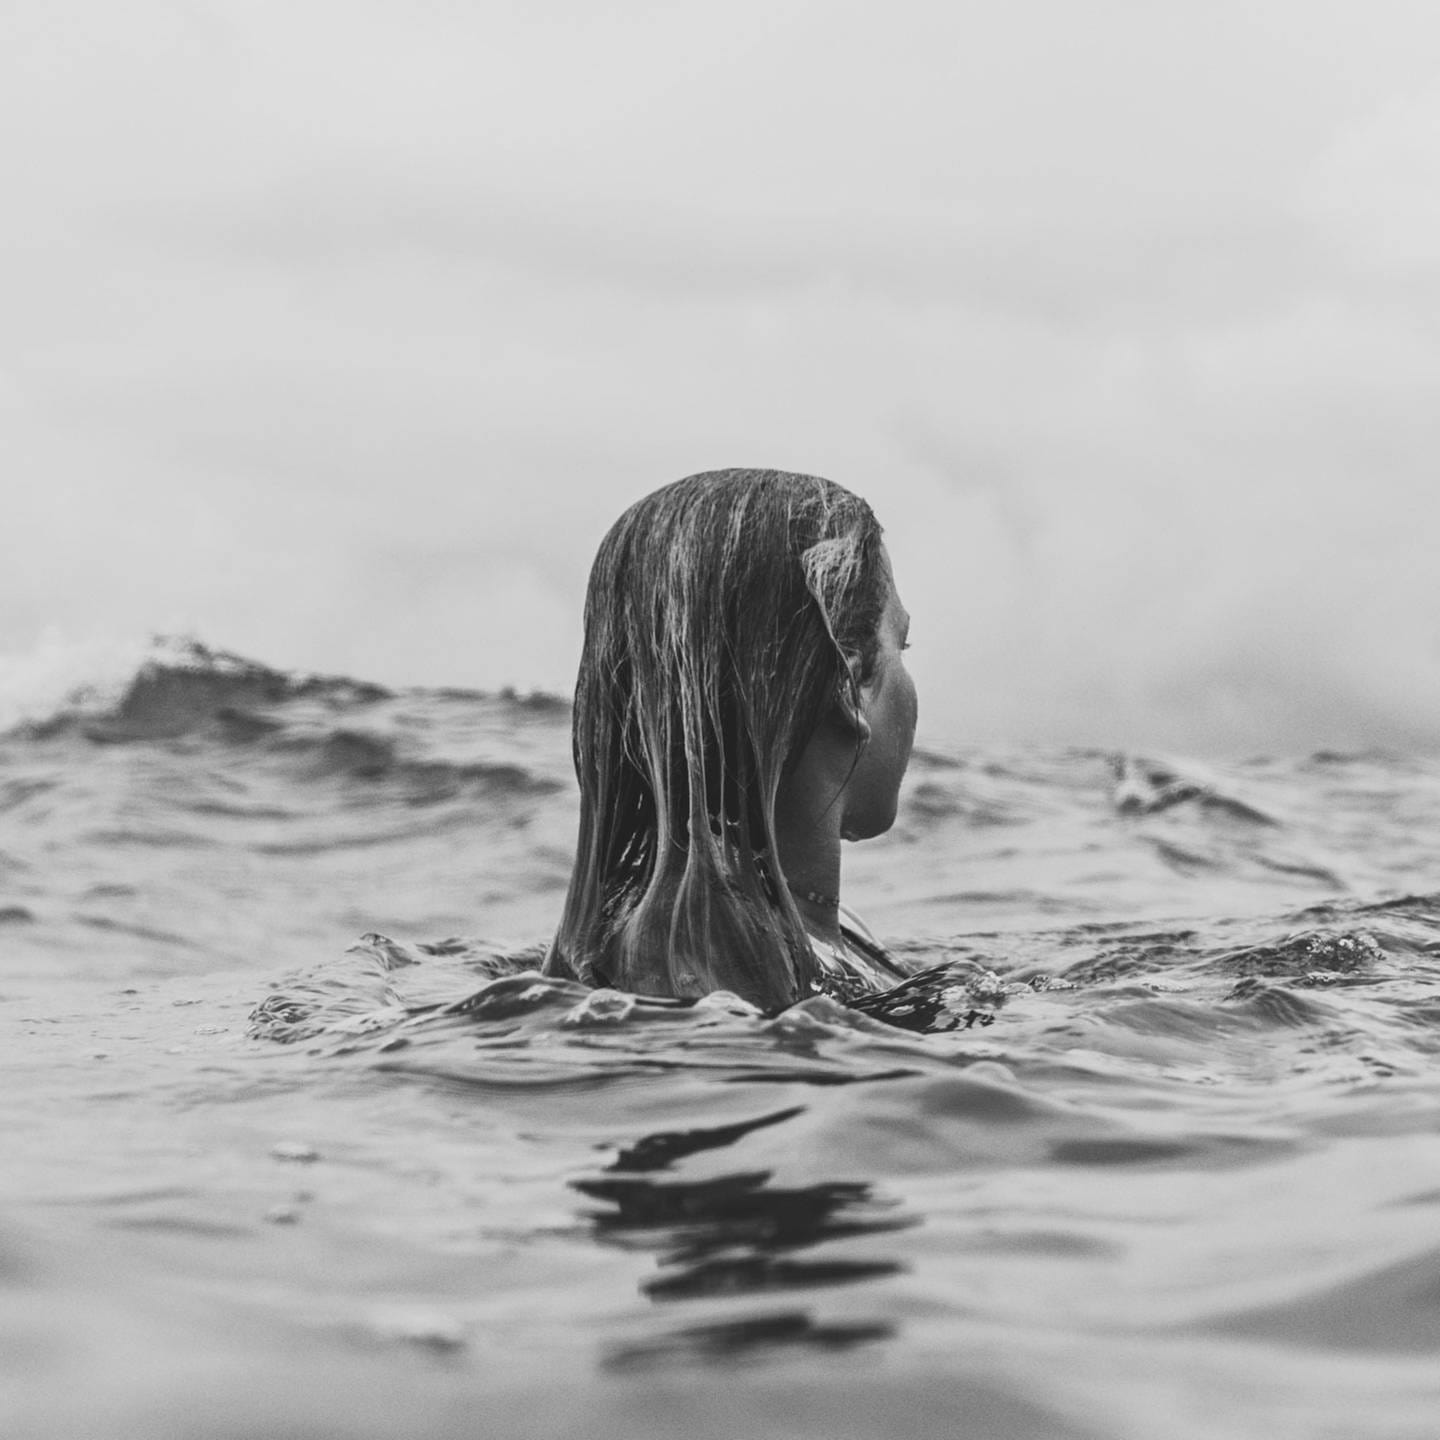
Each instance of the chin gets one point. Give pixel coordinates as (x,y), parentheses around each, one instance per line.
(867,827)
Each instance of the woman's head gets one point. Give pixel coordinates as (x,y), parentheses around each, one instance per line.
(729,616)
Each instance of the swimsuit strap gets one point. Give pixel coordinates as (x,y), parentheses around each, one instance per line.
(855,930)
(857,964)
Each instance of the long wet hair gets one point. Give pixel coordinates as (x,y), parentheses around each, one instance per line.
(726,614)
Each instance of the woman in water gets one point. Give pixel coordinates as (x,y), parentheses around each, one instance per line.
(742,706)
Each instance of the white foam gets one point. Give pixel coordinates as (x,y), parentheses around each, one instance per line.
(60,671)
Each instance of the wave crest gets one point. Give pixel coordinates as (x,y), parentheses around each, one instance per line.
(320,726)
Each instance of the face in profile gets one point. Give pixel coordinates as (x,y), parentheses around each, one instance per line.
(888,706)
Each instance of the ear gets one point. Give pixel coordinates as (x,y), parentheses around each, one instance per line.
(852,716)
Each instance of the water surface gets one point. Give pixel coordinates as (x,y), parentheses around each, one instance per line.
(297,1142)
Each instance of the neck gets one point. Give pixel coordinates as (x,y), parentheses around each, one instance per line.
(821,916)
(825,902)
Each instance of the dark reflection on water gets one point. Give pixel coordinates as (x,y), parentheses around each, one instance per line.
(744,1339)
(734,1235)
(661,1150)
(688,1221)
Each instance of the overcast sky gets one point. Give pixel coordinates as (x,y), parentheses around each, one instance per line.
(337,333)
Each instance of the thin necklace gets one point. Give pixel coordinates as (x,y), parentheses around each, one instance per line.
(825,902)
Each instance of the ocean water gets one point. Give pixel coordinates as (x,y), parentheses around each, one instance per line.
(297,1144)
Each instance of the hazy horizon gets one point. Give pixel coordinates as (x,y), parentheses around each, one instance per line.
(337,336)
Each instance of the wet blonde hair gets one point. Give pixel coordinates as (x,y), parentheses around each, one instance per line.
(725,614)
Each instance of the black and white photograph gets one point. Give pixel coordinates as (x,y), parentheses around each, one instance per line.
(720,722)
